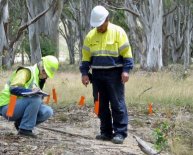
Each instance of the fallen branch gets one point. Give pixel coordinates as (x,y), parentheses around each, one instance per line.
(106,145)
(145,147)
(124,9)
(145,91)
(65,132)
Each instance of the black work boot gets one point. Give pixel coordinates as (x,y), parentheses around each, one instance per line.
(104,137)
(118,139)
(27,133)
(17,124)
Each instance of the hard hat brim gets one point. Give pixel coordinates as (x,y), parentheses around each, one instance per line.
(48,73)
(97,24)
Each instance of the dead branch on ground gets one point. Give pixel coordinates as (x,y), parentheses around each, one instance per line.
(64,132)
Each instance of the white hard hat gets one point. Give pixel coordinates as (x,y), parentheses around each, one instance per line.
(98,16)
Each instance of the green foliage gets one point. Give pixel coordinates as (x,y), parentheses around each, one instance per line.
(168,3)
(47,46)
(15,15)
(160,135)
(25,45)
(118,17)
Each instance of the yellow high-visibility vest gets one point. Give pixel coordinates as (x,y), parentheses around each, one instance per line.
(34,80)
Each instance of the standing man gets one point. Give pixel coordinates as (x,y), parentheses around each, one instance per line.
(29,110)
(107,51)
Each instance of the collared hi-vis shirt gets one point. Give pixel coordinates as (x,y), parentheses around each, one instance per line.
(106,50)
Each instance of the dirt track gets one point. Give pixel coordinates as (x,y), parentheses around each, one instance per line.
(71,131)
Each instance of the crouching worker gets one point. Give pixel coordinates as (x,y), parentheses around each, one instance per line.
(29,110)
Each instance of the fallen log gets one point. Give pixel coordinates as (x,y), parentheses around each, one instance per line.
(145,147)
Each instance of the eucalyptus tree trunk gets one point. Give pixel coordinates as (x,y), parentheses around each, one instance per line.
(137,37)
(188,36)
(168,19)
(34,31)
(178,31)
(69,35)
(83,21)
(48,25)
(4,15)
(187,46)
(154,37)
(150,25)
(76,21)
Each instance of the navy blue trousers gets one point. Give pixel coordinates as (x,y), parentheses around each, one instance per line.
(112,109)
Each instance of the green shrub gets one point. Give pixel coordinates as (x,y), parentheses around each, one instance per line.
(46,45)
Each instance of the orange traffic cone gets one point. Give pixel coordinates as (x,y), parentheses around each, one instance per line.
(96,106)
(11,106)
(150,109)
(82,101)
(54,95)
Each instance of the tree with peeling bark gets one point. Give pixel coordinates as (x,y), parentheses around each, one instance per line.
(177,30)
(48,25)
(75,19)
(7,46)
(160,31)
(147,30)
(4,15)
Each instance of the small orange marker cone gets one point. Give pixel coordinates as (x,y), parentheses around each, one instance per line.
(150,109)
(54,95)
(96,106)
(47,99)
(11,106)
(82,101)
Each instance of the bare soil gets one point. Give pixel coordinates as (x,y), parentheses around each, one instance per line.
(72,131)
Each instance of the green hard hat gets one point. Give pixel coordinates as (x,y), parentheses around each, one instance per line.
(50,64)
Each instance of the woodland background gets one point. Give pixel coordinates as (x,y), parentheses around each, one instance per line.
(161,36)
(160,31)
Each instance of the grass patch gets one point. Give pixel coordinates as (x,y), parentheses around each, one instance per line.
(169,91)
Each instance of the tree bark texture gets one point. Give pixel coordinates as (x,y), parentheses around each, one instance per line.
(4,15)
(47,25)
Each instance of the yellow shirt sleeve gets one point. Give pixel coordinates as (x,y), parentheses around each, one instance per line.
(86,56)
(124,45)
(21,78)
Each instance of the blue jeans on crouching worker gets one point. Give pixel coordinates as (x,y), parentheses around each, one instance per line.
(30,111)
(112,108)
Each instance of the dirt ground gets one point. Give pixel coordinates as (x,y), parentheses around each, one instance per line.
(71,131)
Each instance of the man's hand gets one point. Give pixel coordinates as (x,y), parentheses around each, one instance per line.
(85,80)
(124,77)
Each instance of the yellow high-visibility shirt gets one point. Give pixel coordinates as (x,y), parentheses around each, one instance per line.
(106,50)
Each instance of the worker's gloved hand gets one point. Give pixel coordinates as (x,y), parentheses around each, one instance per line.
(85,80)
